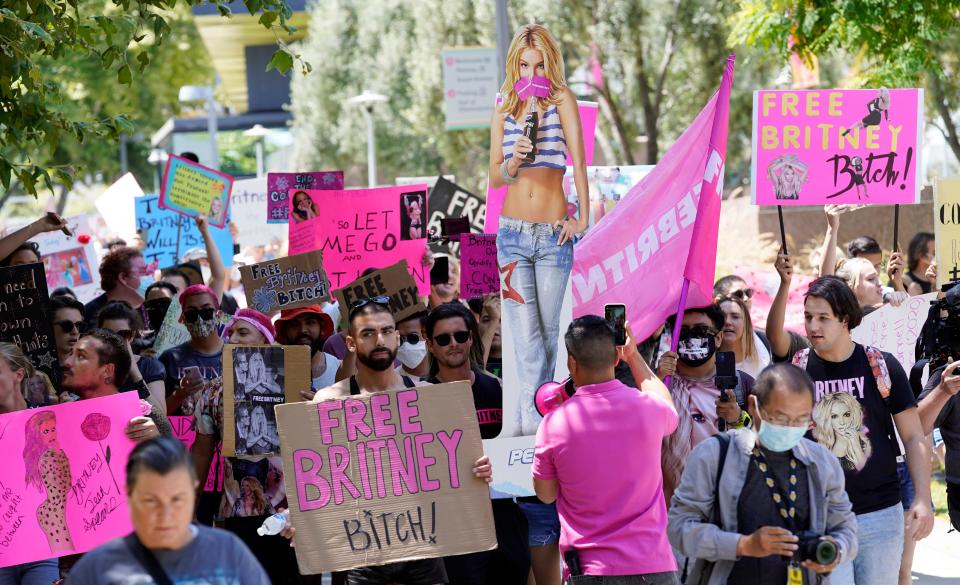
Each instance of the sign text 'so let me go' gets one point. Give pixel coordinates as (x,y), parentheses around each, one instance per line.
(385,477)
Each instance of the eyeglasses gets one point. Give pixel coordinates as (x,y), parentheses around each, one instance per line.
(787,422)
(361,303)
(443,339)
(742,294)
(190,315)
(697,331)
(411,338)
(68,326)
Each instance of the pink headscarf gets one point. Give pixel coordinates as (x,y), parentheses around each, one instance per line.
(199,289)
(257,320)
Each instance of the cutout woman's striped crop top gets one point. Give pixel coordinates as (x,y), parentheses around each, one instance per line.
(551,147)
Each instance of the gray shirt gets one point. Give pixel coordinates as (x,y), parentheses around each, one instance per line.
(691,508)
(949,423)
(213,557)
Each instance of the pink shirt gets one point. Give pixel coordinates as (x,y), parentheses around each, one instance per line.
(603,448)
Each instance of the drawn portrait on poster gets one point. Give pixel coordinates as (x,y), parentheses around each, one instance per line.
(258,386)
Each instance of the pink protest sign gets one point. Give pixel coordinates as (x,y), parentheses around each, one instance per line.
(279,185)
(812,147)
(765,283)
(185,429)
(62,483)
(495,197)
(365,228)
(479,271)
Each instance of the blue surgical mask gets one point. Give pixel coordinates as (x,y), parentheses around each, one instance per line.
(779,438)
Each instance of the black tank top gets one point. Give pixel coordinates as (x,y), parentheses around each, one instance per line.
(355,387)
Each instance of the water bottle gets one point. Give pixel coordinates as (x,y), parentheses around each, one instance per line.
(274,524)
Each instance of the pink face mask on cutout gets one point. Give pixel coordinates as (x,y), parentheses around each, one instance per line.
(528,87)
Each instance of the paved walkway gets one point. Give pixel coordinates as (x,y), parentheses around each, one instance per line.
(937,559)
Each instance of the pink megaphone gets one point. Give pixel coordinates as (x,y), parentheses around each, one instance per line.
(550,395)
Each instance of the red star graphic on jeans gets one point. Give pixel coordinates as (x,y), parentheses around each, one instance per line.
(509,292)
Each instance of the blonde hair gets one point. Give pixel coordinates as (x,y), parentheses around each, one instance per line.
(851,271)
(532,36)
(15,358)
(748,347)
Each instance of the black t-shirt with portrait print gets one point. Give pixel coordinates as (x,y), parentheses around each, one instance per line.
(854,421)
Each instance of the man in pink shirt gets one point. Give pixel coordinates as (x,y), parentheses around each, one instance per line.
(598,456)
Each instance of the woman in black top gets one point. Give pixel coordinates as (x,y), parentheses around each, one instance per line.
(920,253)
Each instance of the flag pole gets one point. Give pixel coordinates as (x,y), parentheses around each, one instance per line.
(678,322)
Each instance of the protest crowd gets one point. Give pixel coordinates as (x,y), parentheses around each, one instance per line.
(265,406)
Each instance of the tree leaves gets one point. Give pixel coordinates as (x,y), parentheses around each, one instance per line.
(282,61)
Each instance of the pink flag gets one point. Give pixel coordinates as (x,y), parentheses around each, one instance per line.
(663,231)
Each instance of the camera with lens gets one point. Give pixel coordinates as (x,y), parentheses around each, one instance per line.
(812,548)
(939,338)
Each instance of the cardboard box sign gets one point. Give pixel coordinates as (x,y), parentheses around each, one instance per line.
(286,283)
(393,281)
(385,477)
(256,378)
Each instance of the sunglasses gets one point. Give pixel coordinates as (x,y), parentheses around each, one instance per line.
(697,331)
(361,303)
(126,334)
(68,326)
(411,338)
(190,315)
(443,339)
(743,294)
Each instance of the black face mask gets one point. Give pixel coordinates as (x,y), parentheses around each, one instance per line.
(156,311)
(695,350)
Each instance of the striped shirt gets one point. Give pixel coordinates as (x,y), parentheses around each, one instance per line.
(551,147)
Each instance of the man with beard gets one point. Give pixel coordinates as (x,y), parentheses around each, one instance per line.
(452,333)
(373,337)
(310,326)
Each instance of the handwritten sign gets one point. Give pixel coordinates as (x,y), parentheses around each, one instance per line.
(248,205)
(447,199)
(166,242)
(285,283)
(385,478)
(28,320)
(68,262)
(172,332)
(895,329)
(62,482)
(361,229)
(189,188)
(479,271)
(256,379)
(281,185)
(184,429)
(946,225)
(394,282)
(812,147)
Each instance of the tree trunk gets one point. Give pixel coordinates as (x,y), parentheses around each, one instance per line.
(950,129)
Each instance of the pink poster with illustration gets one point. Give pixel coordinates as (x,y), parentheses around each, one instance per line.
(62,483)
(364,228)
(819,146)
(588,122)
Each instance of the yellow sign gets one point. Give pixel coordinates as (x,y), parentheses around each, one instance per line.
(946,223)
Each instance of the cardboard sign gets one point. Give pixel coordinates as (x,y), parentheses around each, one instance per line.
(116,206)
(365,228)
(447,199)
(69,262)
(28,319)
(189,188)
(946,228)
(479,271)
(765,284)
(255,379)
(62,483)
(172,332)
(813,147)
(385,478)
(394,282)
(280,185)
(169,235)
(248,205)
(896,329)
(285,283)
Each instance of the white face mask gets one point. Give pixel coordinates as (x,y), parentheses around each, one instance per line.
(412,355)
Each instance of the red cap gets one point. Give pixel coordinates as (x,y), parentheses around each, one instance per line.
(326,323)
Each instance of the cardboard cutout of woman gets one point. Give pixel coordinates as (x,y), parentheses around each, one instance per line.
(536,234)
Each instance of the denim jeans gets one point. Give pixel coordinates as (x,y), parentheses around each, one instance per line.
(37,573)
(534,271)
(880,543)
(669,578)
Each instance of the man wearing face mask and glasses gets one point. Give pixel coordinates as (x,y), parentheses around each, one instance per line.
(786,494)
(692,370)
(120,274)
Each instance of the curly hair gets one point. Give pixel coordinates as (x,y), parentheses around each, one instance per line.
(115,263)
